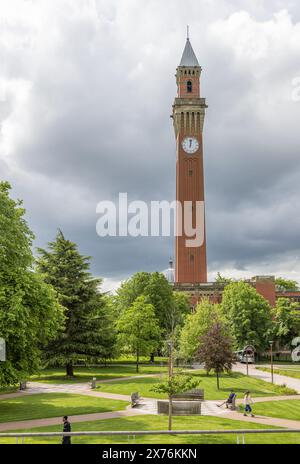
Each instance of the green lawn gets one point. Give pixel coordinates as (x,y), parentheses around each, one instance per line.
(237,381)
(85,374)
(287,409)
(42,406)
(5,390)
(160,423)
(289,372)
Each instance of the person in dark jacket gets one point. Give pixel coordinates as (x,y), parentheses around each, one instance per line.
(231,398)
(67,428)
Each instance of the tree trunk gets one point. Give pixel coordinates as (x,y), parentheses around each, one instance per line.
(152,358)
(218,381)
(170,412)
(69,369)
(137,361)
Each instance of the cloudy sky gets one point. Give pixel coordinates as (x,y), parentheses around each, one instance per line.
(86,90)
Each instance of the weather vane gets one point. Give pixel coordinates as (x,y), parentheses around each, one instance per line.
(188,32)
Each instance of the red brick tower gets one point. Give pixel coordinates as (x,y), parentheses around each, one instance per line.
(188,116)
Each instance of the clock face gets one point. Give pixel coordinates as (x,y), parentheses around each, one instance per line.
(190,145)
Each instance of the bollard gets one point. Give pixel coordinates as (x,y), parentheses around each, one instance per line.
(94,383)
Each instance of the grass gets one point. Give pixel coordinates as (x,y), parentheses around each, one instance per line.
(295,373)
(5,390)
(160,423)
(42,406)
(286,409)
(85,374)
(236,381)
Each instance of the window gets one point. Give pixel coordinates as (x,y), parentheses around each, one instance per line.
(189,86)
(190,173)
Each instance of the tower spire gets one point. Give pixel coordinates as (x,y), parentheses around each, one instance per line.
(187,32)
(189,58)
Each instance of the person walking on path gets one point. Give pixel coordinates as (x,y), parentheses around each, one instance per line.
(67,428)
(247,404)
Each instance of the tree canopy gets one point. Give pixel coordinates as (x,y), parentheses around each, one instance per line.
(286,284)
(138,329)
(170,307)
(216,350)
(196,324)
(248,315)
(286,322)
(89,332)
(30,314)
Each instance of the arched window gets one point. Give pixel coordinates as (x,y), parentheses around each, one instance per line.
(189,86)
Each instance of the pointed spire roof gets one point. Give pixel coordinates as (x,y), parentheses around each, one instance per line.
(189,58)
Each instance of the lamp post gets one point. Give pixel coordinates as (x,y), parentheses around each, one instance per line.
(170,345)
(272,372)
(247,361)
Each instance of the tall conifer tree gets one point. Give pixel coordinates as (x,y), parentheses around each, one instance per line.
(89,332)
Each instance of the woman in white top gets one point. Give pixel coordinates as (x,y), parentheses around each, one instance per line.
(247,404)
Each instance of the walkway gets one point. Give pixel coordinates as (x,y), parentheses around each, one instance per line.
(29,424)
(266,376)
(264,420)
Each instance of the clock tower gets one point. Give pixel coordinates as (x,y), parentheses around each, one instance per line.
(188,117)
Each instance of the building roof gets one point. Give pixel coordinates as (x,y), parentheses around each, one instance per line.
(189,58)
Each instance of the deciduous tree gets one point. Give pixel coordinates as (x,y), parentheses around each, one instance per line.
(138,329)
(248,315)
(215,350)
(30,314)
(196,324)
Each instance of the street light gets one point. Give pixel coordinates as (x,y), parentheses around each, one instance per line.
(170,346)
(272,372)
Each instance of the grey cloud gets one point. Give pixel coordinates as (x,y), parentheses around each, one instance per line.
(96,123)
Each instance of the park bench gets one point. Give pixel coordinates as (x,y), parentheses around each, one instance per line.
(135,398)
(192,395)
(93,383)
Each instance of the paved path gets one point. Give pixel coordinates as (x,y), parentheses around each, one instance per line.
(266,376)
(29,424)
(263,399)
(264,420)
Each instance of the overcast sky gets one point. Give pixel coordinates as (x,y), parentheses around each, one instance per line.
(86,92)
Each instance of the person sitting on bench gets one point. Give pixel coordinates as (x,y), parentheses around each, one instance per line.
(229,400)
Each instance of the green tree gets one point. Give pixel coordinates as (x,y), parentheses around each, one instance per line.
(30,314)
(286,321)
(248,315)
(285,284)
(138,329)
(215,350)
(153,286)
(196,324)
(89,332)
(173,385)
(170,307)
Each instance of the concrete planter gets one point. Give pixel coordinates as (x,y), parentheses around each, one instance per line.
(180,408)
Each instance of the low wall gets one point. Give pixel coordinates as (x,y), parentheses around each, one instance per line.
(180,408)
